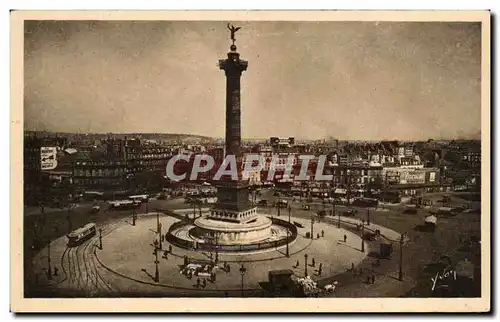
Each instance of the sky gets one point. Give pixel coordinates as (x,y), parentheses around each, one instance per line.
(309,80)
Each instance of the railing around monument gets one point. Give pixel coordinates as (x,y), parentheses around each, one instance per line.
(183,243)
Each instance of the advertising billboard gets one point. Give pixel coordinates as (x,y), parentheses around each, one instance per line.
(48,158)
(412,177)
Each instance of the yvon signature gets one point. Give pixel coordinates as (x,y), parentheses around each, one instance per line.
(442,280)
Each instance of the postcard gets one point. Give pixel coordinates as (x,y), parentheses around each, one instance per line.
(250,161)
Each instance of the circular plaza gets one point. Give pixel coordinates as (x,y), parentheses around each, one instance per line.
(127,263)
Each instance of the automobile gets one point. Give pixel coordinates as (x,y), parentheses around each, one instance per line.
(370,236)
(410,211)
(95,209)
(350,212)
(297,224)
(306,207)
(322,213)
(262,203)
(282,203)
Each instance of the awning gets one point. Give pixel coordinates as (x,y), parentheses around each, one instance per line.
(340,191)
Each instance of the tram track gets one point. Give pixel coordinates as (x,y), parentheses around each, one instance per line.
(80,268)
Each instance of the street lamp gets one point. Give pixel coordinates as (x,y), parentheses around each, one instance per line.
(159,235)
(362,236)
(338,224)
(243,270)
(216,247)
(68,218)
(305,266)
(49,270)
(157,273)
(288,232)
(401,242)
(158,229)
(100,238)
(312,227)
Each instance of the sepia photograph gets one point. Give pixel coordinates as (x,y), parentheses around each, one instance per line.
(251,156)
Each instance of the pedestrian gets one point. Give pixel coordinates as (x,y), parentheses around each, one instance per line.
(345,238)
(214,277)
(313,262)
(56,270)
(352,266)
(165,254)
(320,270)
(322,233)
(204,283)
(198,282)
(317,235)
(297,264)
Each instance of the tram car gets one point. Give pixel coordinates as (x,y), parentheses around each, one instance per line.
(78,236)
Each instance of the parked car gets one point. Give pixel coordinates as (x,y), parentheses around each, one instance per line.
(322,213)
(297,224)
(262,203)
(95,209)
(350,212)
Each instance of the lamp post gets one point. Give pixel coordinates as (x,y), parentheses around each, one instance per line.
(279,206)
(305,266)
(338,223)
(243,270)
(401,242)
(368,217)
(159,235)
(312,227)
(362,236)
(134,217)
(68,218)
(158,229)
(157,273)
(100,238)
(216,247)
(288,232)
(49,270)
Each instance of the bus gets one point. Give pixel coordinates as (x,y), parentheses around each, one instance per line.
(141,198)
(123,204)
(365,202)
(76,237)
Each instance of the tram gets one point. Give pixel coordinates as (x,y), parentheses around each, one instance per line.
(76,237)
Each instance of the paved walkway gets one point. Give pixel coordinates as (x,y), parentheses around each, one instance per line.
(386,232)
(126,262)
